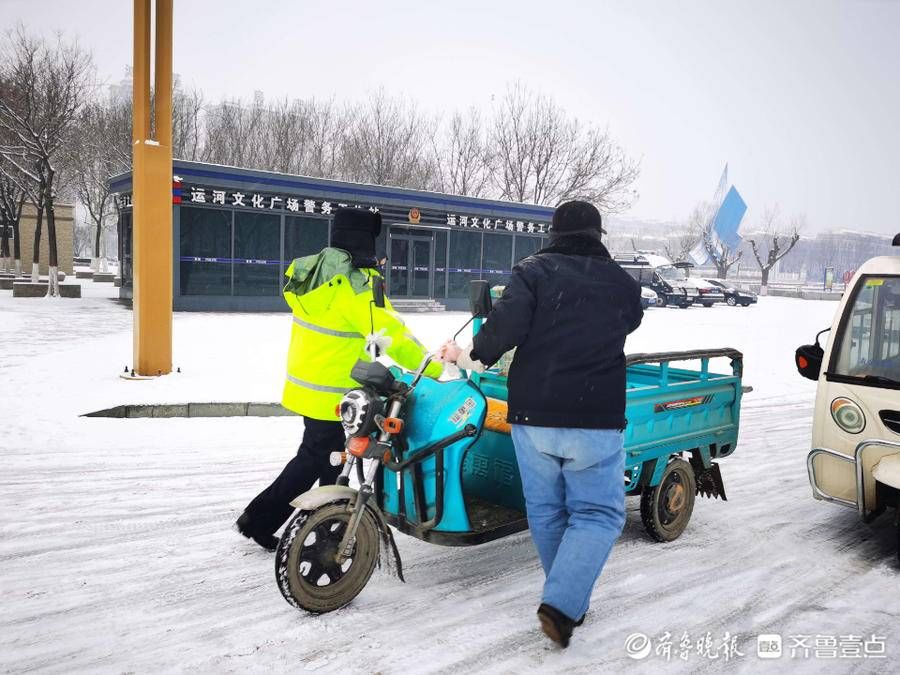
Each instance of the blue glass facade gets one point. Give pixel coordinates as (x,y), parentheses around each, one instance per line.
(237,230)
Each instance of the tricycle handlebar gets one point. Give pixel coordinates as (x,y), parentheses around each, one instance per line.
(429,357)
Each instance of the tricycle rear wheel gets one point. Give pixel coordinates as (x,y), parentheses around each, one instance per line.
(667,507)
(305,567)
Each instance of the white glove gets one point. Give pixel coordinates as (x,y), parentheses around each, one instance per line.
(380,340)
(466,362)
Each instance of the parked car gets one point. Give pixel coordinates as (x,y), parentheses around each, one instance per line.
(707,294)
(710,294)
(649,298)
(659,275)
(734,296)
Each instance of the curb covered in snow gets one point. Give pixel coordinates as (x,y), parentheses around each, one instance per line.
(161,410)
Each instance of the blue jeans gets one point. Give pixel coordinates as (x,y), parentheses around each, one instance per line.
(575,495)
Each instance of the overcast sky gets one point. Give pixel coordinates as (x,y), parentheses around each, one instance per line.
(801,98)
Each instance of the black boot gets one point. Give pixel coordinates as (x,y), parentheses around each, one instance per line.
(244,526)
(556,625)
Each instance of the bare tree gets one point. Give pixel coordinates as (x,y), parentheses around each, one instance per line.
(774,241)
(234,133)
(187,118)
(284,127)
(328,127)
(12,200)
(542,156)
(459,155)
(100,147)
(384,144)
(83,239)
(678,247)
(49,82)
(722,255)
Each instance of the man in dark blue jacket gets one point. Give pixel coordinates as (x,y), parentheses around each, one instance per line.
(567,310)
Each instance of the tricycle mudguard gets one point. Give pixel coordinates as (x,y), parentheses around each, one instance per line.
(330,494)
(325,494)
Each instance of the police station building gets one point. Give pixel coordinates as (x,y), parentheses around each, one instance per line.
(237,230)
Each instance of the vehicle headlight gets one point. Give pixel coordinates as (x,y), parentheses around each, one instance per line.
(847,415)
(357,411)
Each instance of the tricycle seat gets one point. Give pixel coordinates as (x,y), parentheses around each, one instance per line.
(495,419)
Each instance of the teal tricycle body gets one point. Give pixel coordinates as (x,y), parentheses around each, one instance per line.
(680,420)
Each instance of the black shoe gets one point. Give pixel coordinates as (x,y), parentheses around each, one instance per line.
(556,625)
(267,541)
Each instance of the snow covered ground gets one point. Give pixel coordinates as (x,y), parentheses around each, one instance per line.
(117,554)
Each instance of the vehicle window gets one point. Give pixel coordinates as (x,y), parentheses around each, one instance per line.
(869,344)
(637,273)
(671,273)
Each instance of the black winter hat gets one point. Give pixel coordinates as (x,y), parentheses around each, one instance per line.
(576,216)
(355,231)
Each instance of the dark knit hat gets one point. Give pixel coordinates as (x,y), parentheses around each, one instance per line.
(355,231)
(575,217)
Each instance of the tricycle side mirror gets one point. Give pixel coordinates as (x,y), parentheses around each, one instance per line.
(480,299)
(808,358)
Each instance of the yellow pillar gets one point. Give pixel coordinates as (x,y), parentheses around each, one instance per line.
(152,192)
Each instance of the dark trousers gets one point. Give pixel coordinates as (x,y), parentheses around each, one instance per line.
(271,507)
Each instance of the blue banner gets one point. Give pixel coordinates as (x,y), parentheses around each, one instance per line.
(728,218)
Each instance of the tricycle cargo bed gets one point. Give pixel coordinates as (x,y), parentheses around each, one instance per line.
(672,410)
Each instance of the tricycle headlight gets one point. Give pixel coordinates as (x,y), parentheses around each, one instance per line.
(357,411)
(847,415)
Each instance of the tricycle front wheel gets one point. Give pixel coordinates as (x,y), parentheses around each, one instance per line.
(666,508)
(307,572)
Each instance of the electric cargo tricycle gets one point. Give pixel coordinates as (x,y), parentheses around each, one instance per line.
(435,460)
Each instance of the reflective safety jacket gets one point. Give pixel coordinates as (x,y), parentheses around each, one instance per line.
(333,314)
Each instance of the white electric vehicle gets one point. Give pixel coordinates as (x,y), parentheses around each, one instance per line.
(855,456)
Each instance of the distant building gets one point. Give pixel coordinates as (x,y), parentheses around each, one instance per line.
(65,234)
(123,90)
(843,250)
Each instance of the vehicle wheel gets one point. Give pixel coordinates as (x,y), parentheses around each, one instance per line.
(707,304)
(666,508)
(305,569)
(731,301)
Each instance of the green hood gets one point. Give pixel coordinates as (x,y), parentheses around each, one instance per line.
(307,274)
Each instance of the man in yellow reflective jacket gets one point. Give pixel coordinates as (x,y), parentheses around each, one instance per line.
(334,318)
